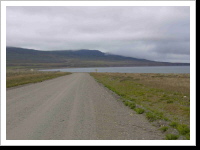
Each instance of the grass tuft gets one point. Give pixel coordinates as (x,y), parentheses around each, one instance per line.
(130,104)
(139,110)
(174,124)
(164,128)
(183,129)
(151,116)
(171,137)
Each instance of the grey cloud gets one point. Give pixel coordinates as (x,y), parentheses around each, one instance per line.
(156,33)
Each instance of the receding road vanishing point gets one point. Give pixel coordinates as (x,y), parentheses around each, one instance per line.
(72,107)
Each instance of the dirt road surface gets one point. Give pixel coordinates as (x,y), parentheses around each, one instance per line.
(72,107)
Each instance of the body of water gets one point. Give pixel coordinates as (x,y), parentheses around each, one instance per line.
(148,69)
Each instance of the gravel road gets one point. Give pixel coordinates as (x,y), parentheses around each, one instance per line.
(72,107)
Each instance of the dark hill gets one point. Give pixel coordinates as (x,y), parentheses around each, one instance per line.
(22,57)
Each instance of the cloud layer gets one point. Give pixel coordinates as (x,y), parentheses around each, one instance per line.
(155,33)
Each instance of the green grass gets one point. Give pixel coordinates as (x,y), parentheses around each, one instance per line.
(16,78)
(174,124)
(130,104)
(139,110)
(183,129)
(158,96)
(151,116)
(164,128)
(171,137)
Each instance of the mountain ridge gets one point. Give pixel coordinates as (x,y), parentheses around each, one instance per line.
(24,57)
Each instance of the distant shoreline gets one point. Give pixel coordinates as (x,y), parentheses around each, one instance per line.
(139,69)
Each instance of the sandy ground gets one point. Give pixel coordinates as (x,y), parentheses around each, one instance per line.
(72,107)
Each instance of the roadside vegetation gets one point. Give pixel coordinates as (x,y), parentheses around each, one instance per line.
(20,77)
(163,98)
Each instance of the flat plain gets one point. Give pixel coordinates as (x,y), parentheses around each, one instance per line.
(163,98)
(25,76)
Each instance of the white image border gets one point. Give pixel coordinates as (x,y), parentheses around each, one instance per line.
(192,140)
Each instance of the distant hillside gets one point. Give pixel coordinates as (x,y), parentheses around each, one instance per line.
(21,57)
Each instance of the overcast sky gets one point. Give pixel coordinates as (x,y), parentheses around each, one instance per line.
(154,33)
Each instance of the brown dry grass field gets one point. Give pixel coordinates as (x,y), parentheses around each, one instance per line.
(20,77)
